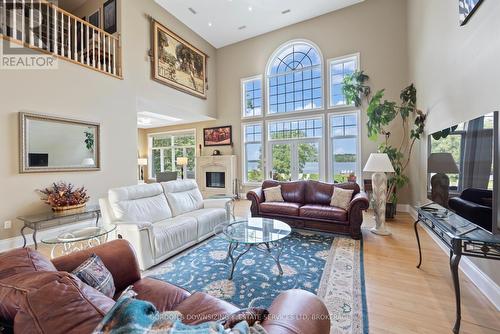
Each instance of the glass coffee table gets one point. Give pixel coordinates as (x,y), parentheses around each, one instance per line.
(78,239)
(261,234)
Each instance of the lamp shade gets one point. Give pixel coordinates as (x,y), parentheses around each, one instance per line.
(441,163)
(142,162)
(379,163)
(182,161)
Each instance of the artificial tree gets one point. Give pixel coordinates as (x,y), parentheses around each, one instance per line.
(380,114)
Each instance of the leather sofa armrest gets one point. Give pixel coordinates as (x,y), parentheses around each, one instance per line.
(297,312)
(118,256)
(359,203)
(256,197)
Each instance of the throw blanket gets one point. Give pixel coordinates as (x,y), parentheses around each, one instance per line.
(132,316)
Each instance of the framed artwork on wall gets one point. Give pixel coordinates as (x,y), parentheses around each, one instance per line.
(218,136)
(95,19)
(467,8)
(177,63)
(109,16)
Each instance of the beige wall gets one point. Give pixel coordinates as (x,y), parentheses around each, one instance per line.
(457,73)
(75,92)
(351,30)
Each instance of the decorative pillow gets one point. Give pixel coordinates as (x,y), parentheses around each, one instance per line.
(273,194)
(341,197)
(93,272)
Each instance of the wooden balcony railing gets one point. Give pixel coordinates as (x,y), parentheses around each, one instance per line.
(41,25)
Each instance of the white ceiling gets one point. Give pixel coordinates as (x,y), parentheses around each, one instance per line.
(218,21)
(70,5)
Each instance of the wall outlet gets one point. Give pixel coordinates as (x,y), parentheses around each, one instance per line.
(7,224)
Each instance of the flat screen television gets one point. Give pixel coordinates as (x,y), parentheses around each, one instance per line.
(463,170)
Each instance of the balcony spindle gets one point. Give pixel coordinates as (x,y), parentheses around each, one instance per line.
(4,15)
(23,22)
(75,55)
(31,26)
(40,25)
(14,19)
(55,31)
(99,50)
(93,48)
(87,36)
(114,56)
(47,42)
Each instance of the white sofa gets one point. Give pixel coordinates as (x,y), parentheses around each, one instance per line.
(160,220)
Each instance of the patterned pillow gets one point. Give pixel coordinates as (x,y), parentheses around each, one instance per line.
(93,272)
(341,198)
(273,194)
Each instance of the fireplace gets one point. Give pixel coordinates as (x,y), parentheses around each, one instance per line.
(215,180)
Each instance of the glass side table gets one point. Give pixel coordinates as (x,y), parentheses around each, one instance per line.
(229,205)
(52,219)
(78,239)
(262,234)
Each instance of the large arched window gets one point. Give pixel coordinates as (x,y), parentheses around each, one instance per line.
(295,78)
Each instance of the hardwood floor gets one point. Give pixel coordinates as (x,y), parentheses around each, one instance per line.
(404,299)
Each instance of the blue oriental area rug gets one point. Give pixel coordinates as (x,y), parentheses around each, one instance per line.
(326,265)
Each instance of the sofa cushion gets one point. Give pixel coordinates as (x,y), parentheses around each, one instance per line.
(273,194)
(144,202)
(164,296)
(63,305)
(280,208)
(323,212)
(207,219)
(201,307)
(183,196)
(174,233)
(321,193)
(23,260)
(291,191)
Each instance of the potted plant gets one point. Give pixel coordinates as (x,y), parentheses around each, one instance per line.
(62,196)
(380,114)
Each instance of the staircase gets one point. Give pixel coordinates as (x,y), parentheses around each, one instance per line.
(41,25)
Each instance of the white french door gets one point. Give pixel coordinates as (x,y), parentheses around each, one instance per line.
(298,159)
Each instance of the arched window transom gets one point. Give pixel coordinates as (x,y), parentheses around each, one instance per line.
(295,79)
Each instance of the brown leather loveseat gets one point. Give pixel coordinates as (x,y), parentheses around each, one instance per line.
(307,205)
(40,296)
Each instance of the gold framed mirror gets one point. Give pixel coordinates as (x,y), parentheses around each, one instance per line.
(56,144)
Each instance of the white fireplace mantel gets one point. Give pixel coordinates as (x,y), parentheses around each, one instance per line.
(217,164)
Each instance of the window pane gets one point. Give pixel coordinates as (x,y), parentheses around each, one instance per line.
(167,160)
(311,128)
(282,162)
(339,69)
(254,171)
(161,141)
(299,70)
(253,97)
(308,161)
(344,143)
(156,157)
(191,167)
(181,144)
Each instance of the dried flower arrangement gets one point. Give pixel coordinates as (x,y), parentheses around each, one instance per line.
(63,196)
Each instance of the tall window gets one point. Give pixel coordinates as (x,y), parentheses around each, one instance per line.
(167,147)
(344,142)
(253,168)
(295,149)
(252,96)
(339,68)
(294,79)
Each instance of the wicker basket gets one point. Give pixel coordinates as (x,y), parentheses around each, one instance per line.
(69,208)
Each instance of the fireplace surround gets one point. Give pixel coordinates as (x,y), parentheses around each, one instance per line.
(216,175)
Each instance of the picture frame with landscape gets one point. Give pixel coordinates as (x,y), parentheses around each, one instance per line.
(177,63)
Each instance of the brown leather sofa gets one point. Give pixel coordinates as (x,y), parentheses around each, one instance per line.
(307,205)
(39,296)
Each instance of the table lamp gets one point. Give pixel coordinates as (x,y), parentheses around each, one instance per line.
(441,164)
(182,162)
(141,162)
(379,164)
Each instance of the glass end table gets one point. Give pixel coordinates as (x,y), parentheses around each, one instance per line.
(259,233)
(77,239)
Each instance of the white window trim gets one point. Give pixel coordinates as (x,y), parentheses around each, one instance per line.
(268,143)
(269,64)
(243,96)
(243,154)
(329,63)
(150,148)
(330,148)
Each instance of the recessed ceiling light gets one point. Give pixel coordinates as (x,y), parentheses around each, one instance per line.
(250,8)
(242,27)
(152,116)
(192,10)
(286,11)
(209,24)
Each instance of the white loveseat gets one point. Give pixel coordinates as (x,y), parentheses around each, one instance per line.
(160,220)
